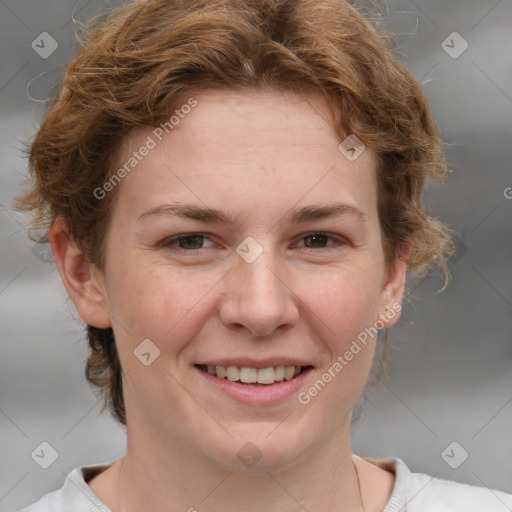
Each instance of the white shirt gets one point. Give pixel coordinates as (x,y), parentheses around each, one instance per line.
(412,492)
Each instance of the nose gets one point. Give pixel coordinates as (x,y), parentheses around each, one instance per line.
(258,298)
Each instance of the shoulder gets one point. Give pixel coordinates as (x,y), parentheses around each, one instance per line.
(430,493)
(419,492)
(74,495)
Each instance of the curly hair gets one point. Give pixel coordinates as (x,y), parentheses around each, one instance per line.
(136,64)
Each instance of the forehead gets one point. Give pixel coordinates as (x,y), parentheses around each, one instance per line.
(233,144)
(251,118)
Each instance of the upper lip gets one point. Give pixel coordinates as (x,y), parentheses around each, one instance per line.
(250,362)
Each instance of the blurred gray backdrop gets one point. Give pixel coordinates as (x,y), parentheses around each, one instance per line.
(449,392)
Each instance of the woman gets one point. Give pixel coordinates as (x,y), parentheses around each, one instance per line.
(232,191)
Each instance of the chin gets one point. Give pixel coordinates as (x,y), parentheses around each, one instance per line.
(261,447)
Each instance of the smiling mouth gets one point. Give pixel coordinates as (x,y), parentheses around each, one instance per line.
(254,376)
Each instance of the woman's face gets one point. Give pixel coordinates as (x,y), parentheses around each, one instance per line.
(246,238)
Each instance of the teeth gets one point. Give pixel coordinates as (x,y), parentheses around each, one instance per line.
(266,375)
(232,373)
(288,372)
(248,375)
(221,372)
(279,373)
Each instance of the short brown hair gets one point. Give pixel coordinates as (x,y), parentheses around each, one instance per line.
(137,64)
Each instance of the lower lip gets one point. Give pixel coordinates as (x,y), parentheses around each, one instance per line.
(256,395)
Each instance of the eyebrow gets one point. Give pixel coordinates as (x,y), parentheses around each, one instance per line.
(190,212)
(318,212)
(209,215)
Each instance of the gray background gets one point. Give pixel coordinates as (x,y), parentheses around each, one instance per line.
(451,377)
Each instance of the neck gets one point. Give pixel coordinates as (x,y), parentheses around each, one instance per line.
(158,476)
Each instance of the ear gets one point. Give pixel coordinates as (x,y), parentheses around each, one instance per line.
(82,280)
(393,289)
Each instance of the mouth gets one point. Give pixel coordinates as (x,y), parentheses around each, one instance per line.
(254,377)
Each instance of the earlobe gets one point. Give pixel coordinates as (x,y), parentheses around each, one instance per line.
(80,278)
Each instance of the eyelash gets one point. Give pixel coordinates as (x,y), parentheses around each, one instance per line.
(169,242)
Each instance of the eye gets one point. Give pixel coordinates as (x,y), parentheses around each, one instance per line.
(320,241)
(187,242)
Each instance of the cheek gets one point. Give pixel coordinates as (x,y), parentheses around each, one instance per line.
(347,311)
(159,302)
(345,301)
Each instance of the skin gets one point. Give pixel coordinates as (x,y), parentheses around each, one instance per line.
(256,156)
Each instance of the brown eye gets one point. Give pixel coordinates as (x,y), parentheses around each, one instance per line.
(187,242)
(321,240)
(317,240)
(191,242)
